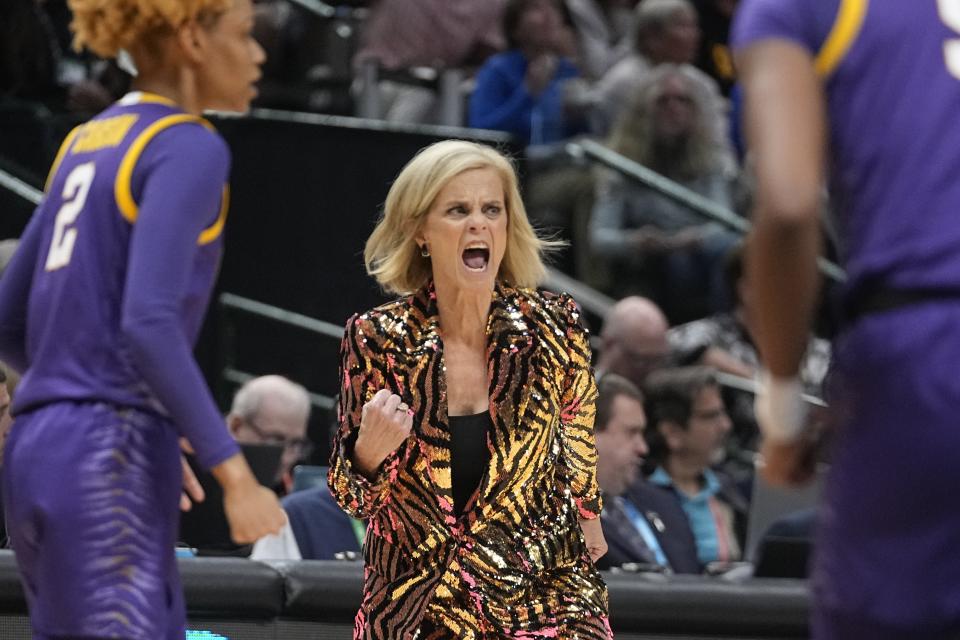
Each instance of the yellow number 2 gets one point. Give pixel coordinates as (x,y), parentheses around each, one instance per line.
(950,14)
(75,190)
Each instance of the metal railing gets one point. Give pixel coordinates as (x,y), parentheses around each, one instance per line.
(229,302)
(695,202)
(17,186)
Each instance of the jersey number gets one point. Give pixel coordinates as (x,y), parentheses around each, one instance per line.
(950,14)
(75,192)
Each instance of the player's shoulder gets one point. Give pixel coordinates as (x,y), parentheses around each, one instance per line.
(805,22)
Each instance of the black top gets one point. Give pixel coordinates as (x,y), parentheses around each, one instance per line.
(469,456)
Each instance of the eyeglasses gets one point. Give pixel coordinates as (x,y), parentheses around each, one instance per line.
(709,416)
(302,446)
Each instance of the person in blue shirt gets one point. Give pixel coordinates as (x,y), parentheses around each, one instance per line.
(521,90)
(689,428)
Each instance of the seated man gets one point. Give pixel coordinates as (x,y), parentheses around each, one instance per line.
(724,341)
(690,427)
(633,340)
(273,410)
(643,524)
(318,529)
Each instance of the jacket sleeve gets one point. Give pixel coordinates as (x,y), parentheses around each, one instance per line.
(360,379)
(578,463)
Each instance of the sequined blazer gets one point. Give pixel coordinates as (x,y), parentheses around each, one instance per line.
(514,565)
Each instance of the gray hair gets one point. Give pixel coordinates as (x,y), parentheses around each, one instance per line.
(249,398)
(652,18)
(633,133)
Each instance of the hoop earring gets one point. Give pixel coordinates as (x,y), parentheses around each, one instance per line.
(424,252)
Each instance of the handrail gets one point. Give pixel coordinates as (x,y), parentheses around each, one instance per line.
(586,296)
(316,7)
(231,301)
(677,192)
(271,312)
(19,187)
(751,386)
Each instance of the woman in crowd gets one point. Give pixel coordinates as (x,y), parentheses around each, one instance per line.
(466,419)
(667,128)
(525,90)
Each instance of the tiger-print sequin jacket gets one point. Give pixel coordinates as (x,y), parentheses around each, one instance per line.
(514,565)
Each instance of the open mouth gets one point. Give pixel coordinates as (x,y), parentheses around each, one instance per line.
(476,258)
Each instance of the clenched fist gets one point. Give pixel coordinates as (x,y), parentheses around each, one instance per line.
(385,423)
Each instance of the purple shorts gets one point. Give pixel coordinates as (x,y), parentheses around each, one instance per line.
(888,540)
(91,493)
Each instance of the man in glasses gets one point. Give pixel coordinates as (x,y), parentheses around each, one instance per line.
(273,410)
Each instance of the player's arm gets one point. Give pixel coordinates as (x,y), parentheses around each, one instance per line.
(785,127)
(15,294)
(786,131)
(185,170)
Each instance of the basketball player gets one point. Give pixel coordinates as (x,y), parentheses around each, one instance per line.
(99,310)
(875,86)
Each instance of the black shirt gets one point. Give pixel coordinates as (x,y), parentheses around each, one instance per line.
(469,455)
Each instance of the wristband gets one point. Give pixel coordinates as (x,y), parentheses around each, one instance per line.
(779,408)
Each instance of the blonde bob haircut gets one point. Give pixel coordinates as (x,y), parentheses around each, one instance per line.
(106,26)
(392,255)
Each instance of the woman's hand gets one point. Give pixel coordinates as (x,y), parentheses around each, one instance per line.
(540,72)
(593,536)
(385,423)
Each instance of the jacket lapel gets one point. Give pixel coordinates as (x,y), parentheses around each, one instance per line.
(511,345)
(432,420)
(621,532)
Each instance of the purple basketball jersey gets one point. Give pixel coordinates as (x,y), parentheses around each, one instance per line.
(88,215)
(892,78)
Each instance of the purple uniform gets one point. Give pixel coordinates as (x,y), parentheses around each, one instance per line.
(100,309)
(888,549)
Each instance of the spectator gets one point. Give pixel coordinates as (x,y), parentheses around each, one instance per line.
(521,91)
(442,34)
(273,410)
(317,529)
(602,29)
(665,31)
(689,426)
(723,341)
(633,340)
(667,129)
(642,523)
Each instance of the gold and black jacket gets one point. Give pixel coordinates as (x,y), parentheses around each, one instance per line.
(514,565)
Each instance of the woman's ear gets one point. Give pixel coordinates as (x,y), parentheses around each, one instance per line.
(193,42)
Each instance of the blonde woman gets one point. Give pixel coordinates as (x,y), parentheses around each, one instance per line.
(110,283)
(466,419)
